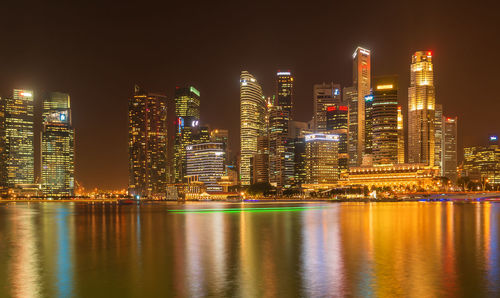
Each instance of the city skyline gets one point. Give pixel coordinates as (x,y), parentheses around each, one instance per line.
(109,88)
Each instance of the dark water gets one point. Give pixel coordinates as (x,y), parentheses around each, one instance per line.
(378,249)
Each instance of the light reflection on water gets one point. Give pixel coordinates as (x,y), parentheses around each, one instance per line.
(348,249)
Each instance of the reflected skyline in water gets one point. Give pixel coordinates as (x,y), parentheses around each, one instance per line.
(353,249)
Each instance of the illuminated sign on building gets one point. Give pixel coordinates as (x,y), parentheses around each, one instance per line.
(283,73)
(194,90)
(321,137)
(384,87)
(493,138)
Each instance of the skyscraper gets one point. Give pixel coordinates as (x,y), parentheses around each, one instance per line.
(3,169)
(401,137)
(187,111)
(421,110)
(449,151)
(253,111)
(147,144)
(368,127)
(384,120)
(356,97)
(57,146)
(324,95)
(19,138)
(438,138)
(281,160)
(337,123)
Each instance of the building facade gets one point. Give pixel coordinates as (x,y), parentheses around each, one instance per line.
(337,116)
(260,161)
(421,110)
(482,163)
(322,159)
(147,140)
(253,109)
(205,161)
(356,97)
(384,120)
(449,151)
(187,112)
(438,138)
(324,95)
(401,137)
(58,146)
(19,150)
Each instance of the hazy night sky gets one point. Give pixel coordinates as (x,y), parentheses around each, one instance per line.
(97,51)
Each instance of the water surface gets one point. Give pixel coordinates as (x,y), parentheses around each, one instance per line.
(416,249)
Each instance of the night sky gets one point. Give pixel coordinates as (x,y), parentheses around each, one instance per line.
(97,51)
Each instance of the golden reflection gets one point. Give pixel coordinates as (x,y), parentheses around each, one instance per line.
(24,267)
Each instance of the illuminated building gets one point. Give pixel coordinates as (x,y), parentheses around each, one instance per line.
(355,95)
(281,160)
(19,151)
(421,105)
(449,151)
(384,120)
(187,112)
(321,159)
(3,169)
(402,176)
(206,162)
(324,95)
(147,142)
(438,137)
(368,125)
(401,137)
(482,163)
(253,111)
(260,161)
(58,149)
(221,136)
(337,123)
(296,132)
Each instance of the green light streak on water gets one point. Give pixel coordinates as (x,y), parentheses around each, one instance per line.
(238,210)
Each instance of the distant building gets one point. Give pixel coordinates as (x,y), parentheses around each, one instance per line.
(260,161)
(438,138)
(399,177)
(322,159)
(384,120)
(253,109)
(482,163)
(58,146)
(206,162)
(337,123)
(221,136)
(356,98)
(325,94)
(187,128)
(401,137)
(421,110)
(147,144)
(368,124)
(18,139)
(3,168)
(281,160)
(449,151)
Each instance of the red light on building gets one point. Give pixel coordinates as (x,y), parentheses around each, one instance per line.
(343,108)
(429,53)
(331,108)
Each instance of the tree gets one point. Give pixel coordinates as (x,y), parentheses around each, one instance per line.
(260,188)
